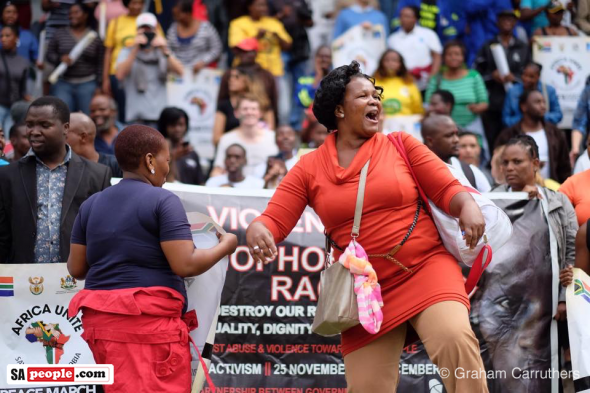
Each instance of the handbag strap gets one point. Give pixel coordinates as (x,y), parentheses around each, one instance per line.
(401,149)
(485,255)
(360,197)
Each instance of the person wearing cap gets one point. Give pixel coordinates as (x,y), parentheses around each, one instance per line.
(268,31)
(517,55)
(142,70)
(555,12)
(120,34)
(534,10)
(245,52)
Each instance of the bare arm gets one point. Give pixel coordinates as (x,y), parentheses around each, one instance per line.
(187,261)
(174,65)
(106,69)
(436,62)
(124,68)
(530,13)
(269,118)
(471,220)
(77,265)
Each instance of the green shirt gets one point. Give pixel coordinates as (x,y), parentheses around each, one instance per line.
(470,89)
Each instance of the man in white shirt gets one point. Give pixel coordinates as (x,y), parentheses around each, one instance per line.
(235,161)
(258,142)
(420,47)
(441,135)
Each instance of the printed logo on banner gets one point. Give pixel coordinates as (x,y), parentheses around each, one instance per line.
(582,289)
(51,337)
(566,74)
(545,46)
(68,284)
(36,286)
(6,286)
(41,325)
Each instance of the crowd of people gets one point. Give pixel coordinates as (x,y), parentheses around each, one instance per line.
(501,130)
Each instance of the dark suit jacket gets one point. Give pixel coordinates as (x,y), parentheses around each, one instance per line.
(18,204)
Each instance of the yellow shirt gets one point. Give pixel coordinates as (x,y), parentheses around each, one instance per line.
(120,34)
(400,98)
(269,49)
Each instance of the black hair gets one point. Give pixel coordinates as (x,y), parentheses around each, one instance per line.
(13,28)
(15,127)
(170,116)
(524,97)
(238,146)
(533,64)
(468,133)
(126,3)
(446,96)
(414,9)
(90,20)
(60,108)
(452,44)
(526,141)
(331,90)
(402,72)
(185,6)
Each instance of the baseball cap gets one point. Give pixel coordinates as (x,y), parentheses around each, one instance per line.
(507,12)
(555,7)
(147,19)
(248,44)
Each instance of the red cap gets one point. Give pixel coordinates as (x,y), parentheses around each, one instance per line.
(248,44)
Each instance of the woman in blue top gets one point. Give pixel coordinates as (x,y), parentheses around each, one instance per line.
(133,245)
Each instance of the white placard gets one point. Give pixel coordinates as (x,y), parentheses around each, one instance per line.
(363,45)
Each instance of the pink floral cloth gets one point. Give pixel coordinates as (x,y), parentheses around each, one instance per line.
(366,287)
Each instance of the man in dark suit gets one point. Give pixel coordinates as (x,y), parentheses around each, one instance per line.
(40,194)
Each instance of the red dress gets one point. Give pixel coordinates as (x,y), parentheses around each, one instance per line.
(389,207)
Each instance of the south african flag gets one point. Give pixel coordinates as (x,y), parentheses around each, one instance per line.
(582,289)
(6,286)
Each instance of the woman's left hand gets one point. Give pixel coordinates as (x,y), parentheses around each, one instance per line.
(472,223)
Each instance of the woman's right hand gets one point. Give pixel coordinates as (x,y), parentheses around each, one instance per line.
(260,243)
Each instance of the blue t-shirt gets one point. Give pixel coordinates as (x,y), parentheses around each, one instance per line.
(122,228)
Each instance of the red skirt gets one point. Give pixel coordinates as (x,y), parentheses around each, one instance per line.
(142,333)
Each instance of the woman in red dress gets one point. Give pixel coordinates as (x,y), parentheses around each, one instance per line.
(426,293)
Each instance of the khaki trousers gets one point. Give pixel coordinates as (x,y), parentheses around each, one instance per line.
(446,333)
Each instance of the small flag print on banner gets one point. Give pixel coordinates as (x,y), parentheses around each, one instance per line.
(6,286)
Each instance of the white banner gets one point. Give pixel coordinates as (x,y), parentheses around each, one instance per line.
(363,45)
(34,300)
(197,96)
(566,64)
(578,321)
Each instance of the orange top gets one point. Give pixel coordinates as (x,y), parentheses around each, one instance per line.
(389,207)
(577,189)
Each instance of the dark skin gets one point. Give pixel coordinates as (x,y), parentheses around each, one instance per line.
(187,27)
(47,135)
(78,26)
(357,121)
(185,260)
(235,161)
(19,142)
(555,27)
(10,15)
(438,106)
(443,139)
(520,172)
(454,60)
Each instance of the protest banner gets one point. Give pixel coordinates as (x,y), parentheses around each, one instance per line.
(362,45)
(263,337)
(566,65)
(578,320)
(197,96)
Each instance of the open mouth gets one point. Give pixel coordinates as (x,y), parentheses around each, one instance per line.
(372,115)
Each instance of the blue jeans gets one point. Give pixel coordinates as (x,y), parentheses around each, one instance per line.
(76,95)
(294,71)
